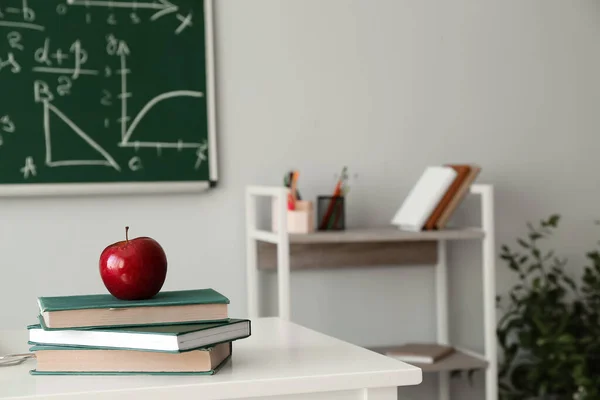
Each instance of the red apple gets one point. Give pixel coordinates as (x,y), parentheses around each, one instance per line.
(133,269)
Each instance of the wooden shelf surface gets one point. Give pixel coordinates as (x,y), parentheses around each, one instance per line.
(304,256)
(384,234)
(387,246)
(458,360)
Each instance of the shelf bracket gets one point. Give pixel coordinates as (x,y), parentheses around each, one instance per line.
(279,238)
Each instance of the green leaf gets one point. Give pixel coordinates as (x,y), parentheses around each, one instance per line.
(566,338)
(523,260)
(549,255)
(513,266)
(541,326)
(517,287)
(594,256)
(523,243)
(557,271)
(570,282)
(553,220)
(543,390)
(533,267)
(535,236)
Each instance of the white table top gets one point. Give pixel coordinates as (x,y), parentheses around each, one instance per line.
(279,358)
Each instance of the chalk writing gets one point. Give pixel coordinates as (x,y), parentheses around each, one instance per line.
(135,18)
(135,164)
(14,40)
(64,85)
(106,99)
(185,22)
(201,155)
(6,124)
(29,168)
(42,92)
(61,9)
(80,57)
(10,63)
(41,55)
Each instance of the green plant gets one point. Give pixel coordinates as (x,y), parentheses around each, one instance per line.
(587,370)
(549,335)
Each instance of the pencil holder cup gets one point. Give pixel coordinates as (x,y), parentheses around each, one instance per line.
(331,213)
(299,220)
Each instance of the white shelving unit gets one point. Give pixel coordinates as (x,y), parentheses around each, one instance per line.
(284,261)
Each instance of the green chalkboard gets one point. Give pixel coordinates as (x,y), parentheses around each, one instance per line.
(115,95)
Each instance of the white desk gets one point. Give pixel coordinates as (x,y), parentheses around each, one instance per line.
(280,361)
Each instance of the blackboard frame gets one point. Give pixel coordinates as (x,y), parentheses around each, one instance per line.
(62,189)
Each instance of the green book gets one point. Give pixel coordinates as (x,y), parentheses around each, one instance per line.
(101,310)
(54,360)
(166,338)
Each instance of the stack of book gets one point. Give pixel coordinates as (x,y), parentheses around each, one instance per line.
(434,198)
(177,332)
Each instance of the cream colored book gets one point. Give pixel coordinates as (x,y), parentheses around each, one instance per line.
(55,360)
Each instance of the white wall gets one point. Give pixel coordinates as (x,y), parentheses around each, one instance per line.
(385,87)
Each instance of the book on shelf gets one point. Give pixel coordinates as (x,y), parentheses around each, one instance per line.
(462,191)
(423,198)
(55,360)
(176,337)
(462,172)
(420,353)
(437,193)
(102,310)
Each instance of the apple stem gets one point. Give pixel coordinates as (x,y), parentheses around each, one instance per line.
(127,233)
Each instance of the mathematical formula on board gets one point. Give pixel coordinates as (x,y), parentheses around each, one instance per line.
(92,78)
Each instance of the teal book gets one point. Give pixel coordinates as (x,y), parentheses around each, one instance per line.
(54,360)
(102,310)
(166,338)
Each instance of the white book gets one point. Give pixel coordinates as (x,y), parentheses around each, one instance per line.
(173,338)
(424,197)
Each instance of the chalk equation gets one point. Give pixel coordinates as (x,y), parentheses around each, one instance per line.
(6,126)
(56,69)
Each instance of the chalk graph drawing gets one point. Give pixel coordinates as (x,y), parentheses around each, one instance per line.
(201,148)
(145,110)
(122,51)
(104,159)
